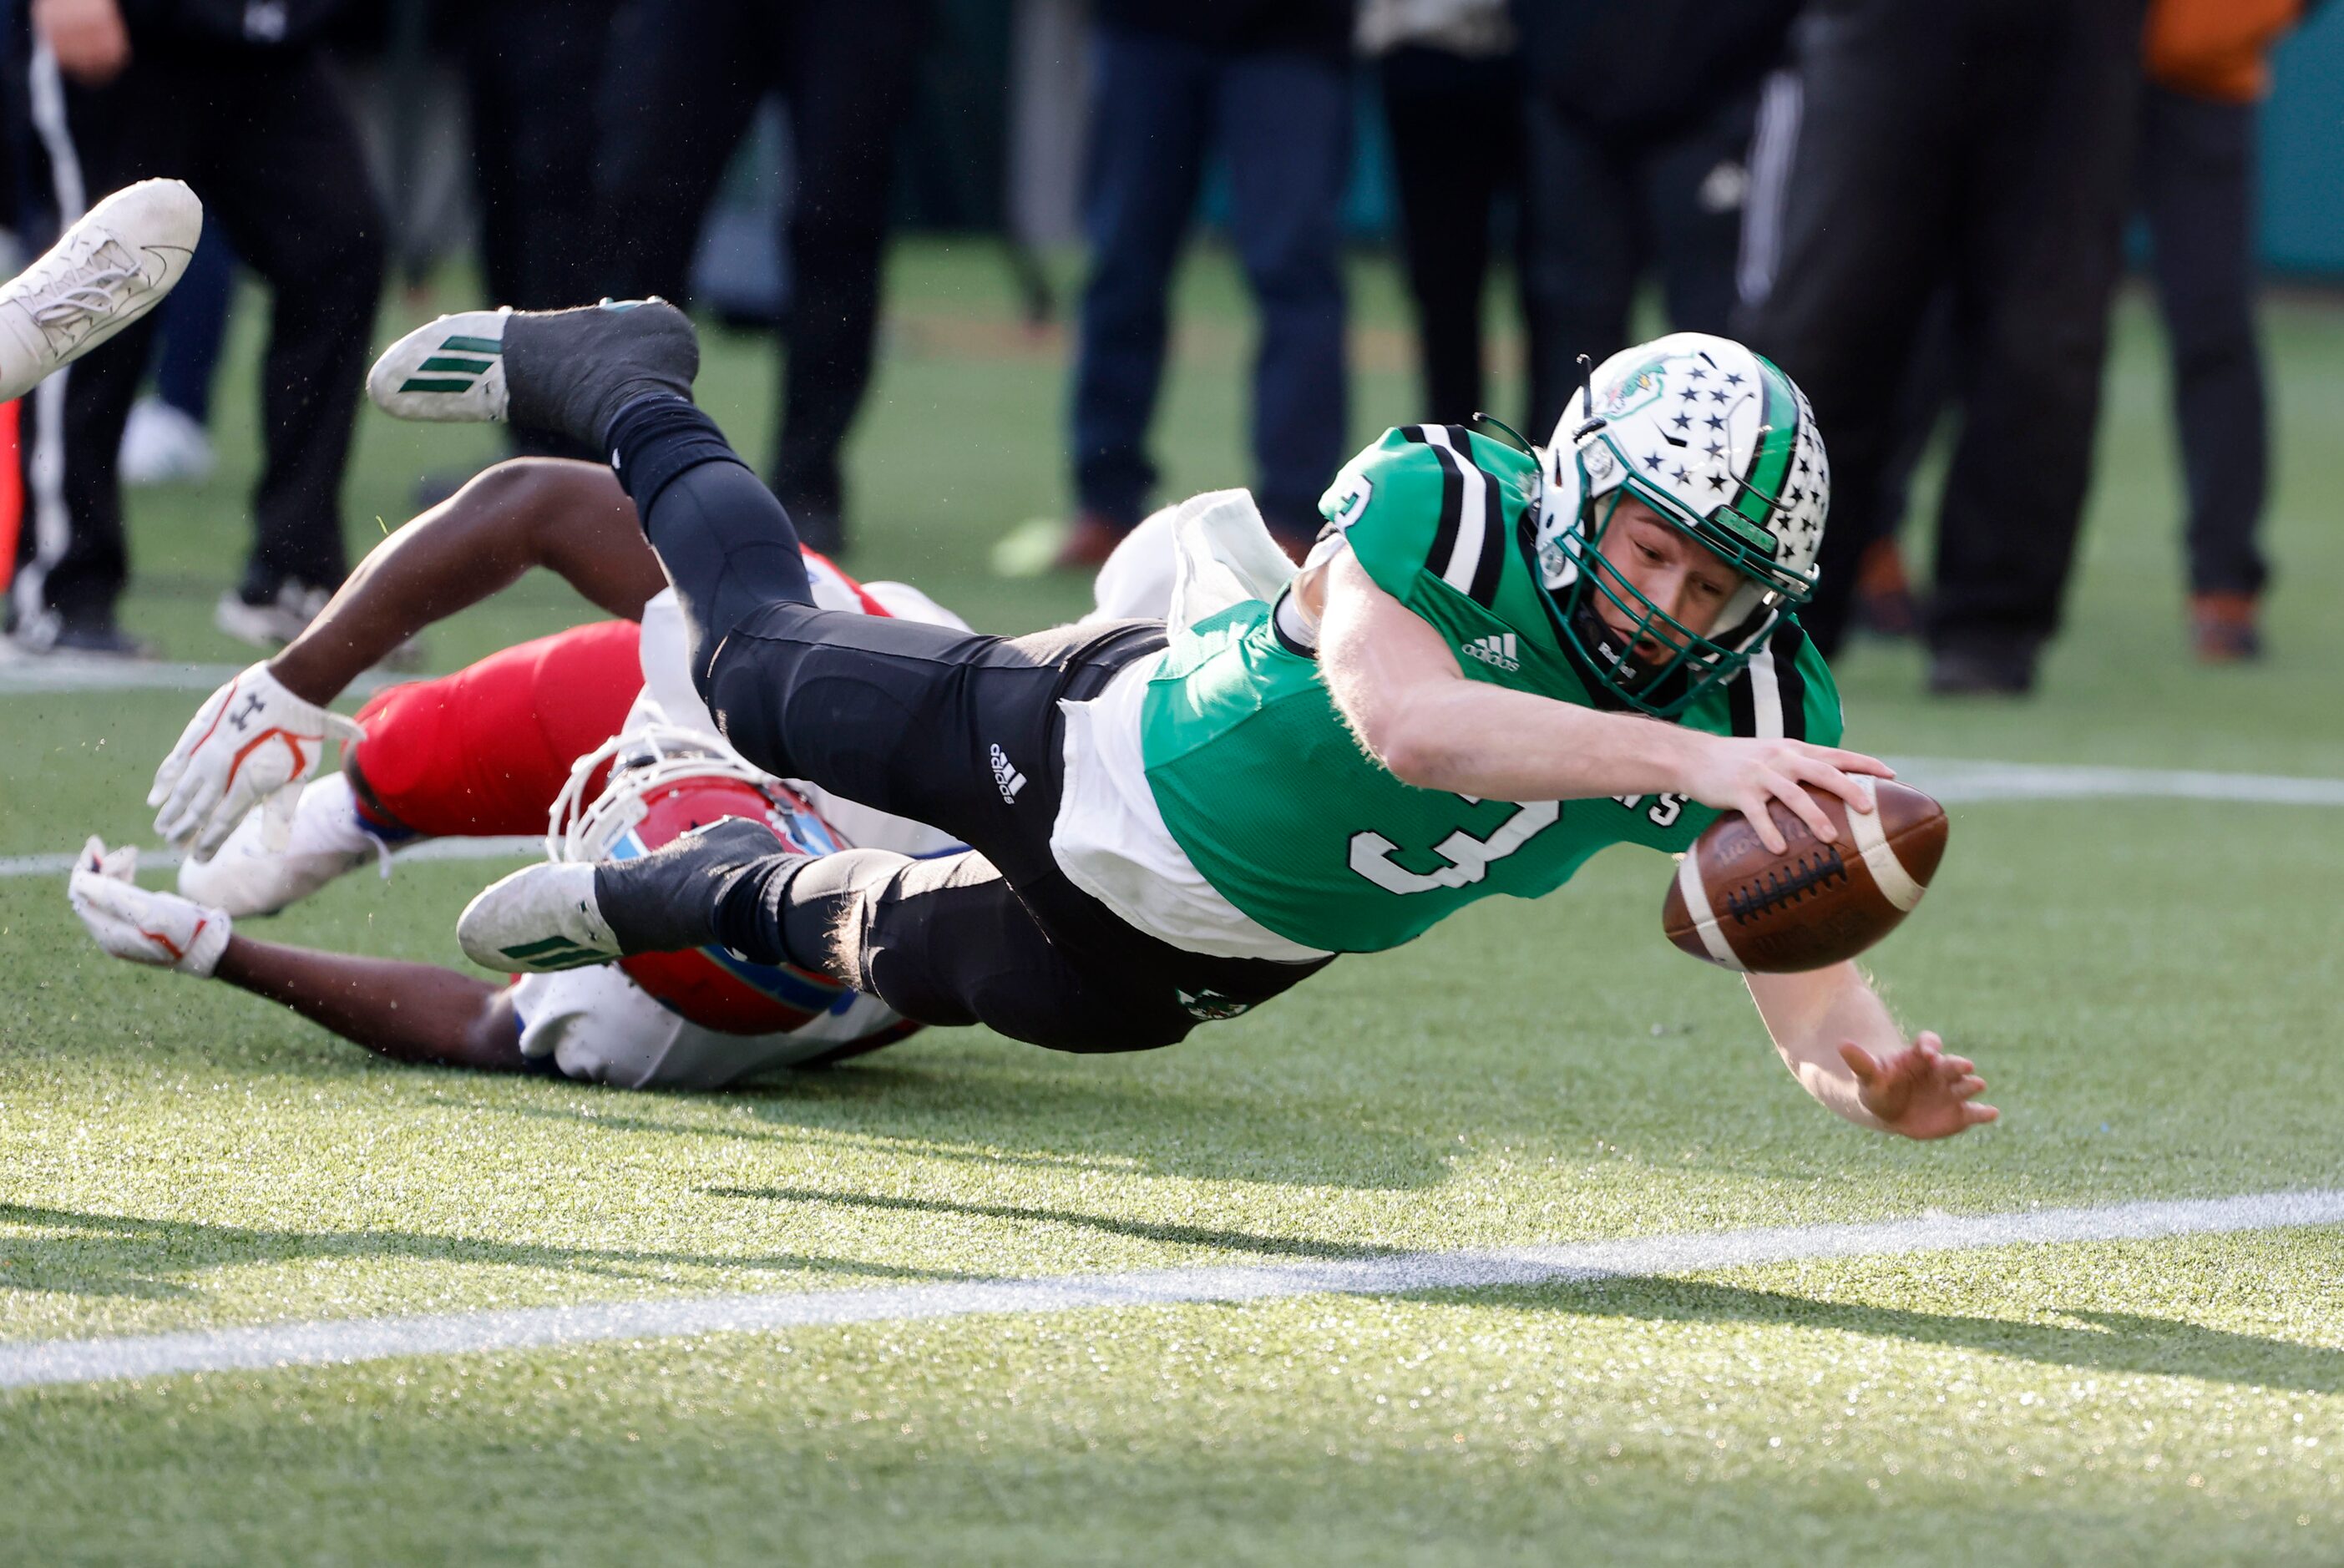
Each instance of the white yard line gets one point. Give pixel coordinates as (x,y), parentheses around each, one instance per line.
(1952,781)
(341,1342)
(532,846)
(25,675)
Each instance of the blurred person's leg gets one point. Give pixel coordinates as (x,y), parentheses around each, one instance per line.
(1284,123)
(73,557)
(1858,231)
(2050,118)
(1694,187)
(680,81)
(1582,254)
(2197,187)
(529,69)
(167,437)
(1150,99)
(1456,138)
(291,191)
(847,85)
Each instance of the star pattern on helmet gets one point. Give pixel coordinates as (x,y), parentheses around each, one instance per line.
(1681,422)
(1690,395)
(1652,462)
(1679,474)
(1733,378)
(1715,422)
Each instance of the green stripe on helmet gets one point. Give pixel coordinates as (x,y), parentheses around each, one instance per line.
(1770,468)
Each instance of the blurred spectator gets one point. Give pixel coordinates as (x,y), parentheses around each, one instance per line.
(1640,115)
(2207,70)
(531,68)
(168,438)
(1452,94)
(238,100)
(1265,85)
(681,79)
(1986,144)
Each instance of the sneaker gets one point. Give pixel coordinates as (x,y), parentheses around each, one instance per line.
(2226,628)
(164,445)
(1090,538)
(1982,670)
(273,623)
(540,918)
(1885,605)
(112,267)
(328,841)
(566,372)
(47,634)
(563,914)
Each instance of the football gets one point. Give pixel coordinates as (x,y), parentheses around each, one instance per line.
(1737,904)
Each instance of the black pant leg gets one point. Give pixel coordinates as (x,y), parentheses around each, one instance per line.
(847,85)
(2196,189)
(1456,136)
(291,191)
(1583,257)
(529,71)
(91,141)
(1694,184)
(2049,121)
(679,83)
(1857,248)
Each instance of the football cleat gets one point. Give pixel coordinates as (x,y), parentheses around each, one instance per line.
(112,267)
(538,919)
(564,371)
(140,925)
(247,877)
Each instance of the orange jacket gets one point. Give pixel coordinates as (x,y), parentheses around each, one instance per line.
(2217,49)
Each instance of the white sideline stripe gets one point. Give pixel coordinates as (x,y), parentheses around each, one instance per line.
(531,845)
(342,1341)
(23,674)
(1955,780)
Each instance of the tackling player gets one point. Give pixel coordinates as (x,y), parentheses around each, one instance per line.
(496,749)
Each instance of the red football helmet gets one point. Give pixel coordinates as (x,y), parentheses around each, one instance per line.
(663,783)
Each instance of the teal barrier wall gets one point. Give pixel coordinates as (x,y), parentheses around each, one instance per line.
(2303,151)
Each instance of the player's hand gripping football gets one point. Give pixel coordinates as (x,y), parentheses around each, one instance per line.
(251,742)
(1736,774)
(1919,1091)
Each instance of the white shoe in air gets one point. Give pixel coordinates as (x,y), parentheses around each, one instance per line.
(451,371)
(112,267)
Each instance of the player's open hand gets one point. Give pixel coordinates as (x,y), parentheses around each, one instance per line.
(1919,1091)
(252,742)
(1736,774)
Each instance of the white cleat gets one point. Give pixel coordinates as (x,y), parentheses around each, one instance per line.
(541,918)
(112,267)
(451,371)
(246,877)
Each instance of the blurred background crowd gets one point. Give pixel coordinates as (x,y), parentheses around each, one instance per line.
(1919,210)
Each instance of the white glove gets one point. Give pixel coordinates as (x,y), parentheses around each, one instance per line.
(140,924)
(252,741)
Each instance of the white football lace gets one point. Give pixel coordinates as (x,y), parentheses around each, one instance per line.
(90,300)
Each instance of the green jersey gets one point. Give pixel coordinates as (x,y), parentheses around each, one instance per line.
(1264,788)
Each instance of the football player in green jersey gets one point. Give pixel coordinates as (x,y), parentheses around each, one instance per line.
(1495,663)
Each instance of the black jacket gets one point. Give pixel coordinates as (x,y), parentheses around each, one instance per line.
(1636,70)
(1311,26)
(237,24)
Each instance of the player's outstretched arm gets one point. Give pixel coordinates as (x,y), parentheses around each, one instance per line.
(1837,1037)
(571,518)
(265,732)
(409,1012)
(1409,702)
(406,1011)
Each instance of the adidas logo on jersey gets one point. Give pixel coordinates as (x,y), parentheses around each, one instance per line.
(459,360)
(1499,649)
(1006,778)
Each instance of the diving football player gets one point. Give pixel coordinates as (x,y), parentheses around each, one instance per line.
(1497,661)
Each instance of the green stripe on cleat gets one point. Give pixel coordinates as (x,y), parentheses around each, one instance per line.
(450,362)
(462,345)
(426,384)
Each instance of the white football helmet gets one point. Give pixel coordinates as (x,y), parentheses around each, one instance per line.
(1721,446)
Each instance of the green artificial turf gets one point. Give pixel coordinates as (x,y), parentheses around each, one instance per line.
(2148,985)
